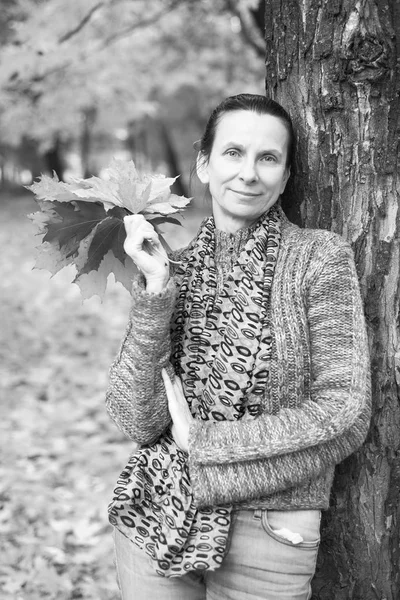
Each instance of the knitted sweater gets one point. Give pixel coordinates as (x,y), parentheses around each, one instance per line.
(317,403)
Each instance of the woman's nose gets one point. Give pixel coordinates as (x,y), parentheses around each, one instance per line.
(248,172)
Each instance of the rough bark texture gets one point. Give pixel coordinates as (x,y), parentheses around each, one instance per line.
(335,65)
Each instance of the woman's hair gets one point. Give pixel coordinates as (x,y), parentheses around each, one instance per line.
(253,102)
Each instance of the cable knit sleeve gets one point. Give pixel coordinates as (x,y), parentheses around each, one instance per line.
(136,398)
(297,443)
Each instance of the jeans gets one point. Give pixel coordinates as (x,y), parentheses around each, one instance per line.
(261,564)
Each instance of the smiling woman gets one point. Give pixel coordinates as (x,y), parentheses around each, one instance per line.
(246,170)
(244,378)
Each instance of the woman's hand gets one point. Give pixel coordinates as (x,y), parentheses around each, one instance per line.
(179,410)
(141,237)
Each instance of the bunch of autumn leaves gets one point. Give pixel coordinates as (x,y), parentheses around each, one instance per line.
(82,222)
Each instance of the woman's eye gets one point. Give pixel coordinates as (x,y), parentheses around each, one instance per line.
(232,153)
(268,158)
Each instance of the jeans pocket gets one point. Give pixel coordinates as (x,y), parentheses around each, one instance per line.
(298,528)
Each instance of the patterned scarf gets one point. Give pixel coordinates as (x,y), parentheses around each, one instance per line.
(223,381)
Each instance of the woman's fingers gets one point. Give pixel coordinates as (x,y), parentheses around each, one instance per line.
(173,395)
(180,397)
(168,384)
(178,384)
(143,245)
(179,410)
(138,230)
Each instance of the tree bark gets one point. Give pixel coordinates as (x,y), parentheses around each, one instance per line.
(335,65)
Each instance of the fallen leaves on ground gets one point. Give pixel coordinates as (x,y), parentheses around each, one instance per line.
(61,452)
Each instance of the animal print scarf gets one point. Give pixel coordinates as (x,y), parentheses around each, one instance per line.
(153,502)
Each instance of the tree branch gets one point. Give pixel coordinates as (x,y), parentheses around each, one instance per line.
(111,39)
(249,31)
(142,23)
(81,25)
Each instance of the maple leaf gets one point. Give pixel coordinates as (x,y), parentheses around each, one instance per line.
(78,233)
(50,260)
(95,189)
(157,220)
(63,227)
(120,187)
(95,282)
(170,205)
(52,189)
(110,234)
(72,221)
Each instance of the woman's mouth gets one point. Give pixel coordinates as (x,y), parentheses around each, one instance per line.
(246,194)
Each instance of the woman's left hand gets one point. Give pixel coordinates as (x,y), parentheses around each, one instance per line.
(179,410)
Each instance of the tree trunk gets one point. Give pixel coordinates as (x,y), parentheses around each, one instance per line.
(54,161)
(172,160)
(334,64)
(88,121)
(29,157)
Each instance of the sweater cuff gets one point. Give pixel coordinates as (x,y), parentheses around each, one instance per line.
(198,474)
(152,305)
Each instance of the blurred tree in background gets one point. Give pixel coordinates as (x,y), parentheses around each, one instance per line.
(84,80)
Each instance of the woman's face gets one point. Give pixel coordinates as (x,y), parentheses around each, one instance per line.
(246,171)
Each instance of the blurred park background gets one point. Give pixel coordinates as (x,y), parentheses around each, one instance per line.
(81,82)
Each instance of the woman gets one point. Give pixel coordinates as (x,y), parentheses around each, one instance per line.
(244,378)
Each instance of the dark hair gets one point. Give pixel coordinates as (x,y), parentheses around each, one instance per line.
(253,102)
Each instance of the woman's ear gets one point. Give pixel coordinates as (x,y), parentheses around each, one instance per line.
(202,168)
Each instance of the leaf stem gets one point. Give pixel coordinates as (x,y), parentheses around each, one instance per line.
(173,262)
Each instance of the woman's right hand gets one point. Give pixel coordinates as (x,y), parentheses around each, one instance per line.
(154,265)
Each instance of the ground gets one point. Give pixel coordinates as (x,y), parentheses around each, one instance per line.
(61,452)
